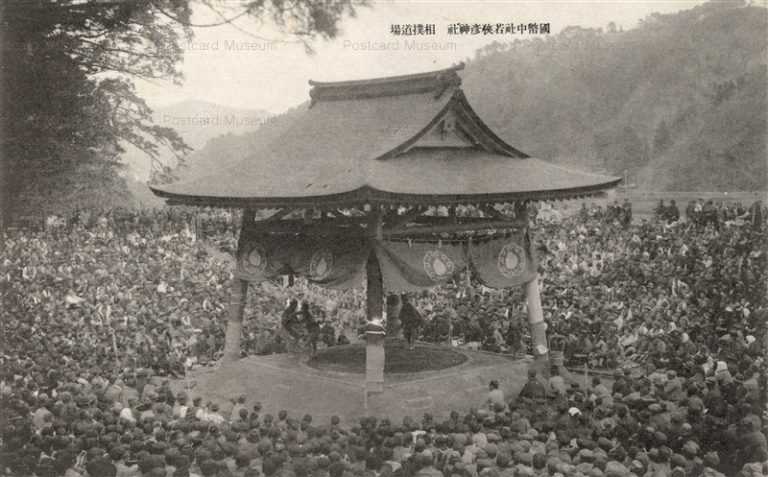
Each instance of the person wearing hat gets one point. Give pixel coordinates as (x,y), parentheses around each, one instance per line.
(282,420)
(114,391)
(495,395)
(100,467)
(557,384)
(411,320)
(600,391)
(146,410)
(751,383)
(713,398)
(237,406)
(42,417)
(424,464)
(622,382)
(533,389)
(129,390)
(180,407)
(673,388)
(754,446)
(213,415)
(129,413)
(253,417)
(117,456)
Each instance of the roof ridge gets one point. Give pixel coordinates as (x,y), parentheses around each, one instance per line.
(386,79)
(438,81)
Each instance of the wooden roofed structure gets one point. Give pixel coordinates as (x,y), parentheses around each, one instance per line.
(385,159)
(398,140)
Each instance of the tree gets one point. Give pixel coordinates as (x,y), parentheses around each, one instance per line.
(620,149)
(68,68)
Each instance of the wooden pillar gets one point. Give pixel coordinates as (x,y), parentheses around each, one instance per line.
(237,300)
(235,323)
(537,324)
(374,336)
(374,289)
(762,379)
(536,321)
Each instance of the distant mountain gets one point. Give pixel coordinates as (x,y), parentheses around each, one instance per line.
(197,122)
(227,150)
(678,102)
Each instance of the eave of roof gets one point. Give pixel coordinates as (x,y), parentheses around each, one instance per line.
(370,195)
(355,145)
(367,195)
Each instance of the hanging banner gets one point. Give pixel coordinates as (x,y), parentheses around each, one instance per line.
(258,260)
(418,266)
(332,262)
(503,262)
(339,262)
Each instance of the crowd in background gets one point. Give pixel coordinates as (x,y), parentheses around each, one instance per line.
(616,293)
(93,307)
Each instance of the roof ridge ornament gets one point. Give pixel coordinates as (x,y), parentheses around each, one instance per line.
(449,82)
(439,82)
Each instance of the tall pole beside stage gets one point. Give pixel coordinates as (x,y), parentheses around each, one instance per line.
(237,301)
(536,322)
(374,299)
(374,331)
(235,322)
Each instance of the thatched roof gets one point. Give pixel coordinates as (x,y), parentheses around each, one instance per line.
(397,140)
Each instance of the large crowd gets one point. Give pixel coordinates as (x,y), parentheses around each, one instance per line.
(616,293)
(96,308)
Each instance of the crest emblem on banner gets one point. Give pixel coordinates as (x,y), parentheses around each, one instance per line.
(438,265)
(511,260)
(321,264)
(254,260)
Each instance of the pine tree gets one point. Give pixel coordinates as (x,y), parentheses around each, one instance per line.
(68,68)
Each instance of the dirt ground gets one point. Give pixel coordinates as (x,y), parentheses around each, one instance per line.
(285,381)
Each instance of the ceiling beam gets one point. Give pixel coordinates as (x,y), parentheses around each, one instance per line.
(448,227)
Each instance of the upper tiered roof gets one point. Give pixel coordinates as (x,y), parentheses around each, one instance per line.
(410,139)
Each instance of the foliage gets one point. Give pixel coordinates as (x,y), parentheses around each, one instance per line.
(69,68)
(679,100)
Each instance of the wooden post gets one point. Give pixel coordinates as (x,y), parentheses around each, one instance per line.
(535,312)
(374,360)
(374,350)
(537,324)
(235,323)
(374,288)
(237,301)
(762,379)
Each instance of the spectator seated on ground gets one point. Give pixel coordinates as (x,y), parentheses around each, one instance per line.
(95,316)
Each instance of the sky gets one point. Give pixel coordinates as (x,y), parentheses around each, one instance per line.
(253,65)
